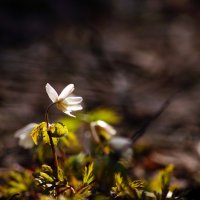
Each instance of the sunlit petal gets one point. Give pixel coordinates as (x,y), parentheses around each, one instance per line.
(74,107)
(53,95)
(73,100)
(26,142)
(25,129)
(108,128)
(69,113)
(66,92)
(24,135)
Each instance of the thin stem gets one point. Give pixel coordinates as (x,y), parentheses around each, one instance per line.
(55,159)
(46,115)
(66,188)
(14,196)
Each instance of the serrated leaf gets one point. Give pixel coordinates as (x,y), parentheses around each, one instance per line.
(136,184)
(88,176)
(127,187)
(162,179)
(16,182)
(38,132)
(58,130)
(119,185)
(118,179)
(47,169)
(166,176)
(46,139)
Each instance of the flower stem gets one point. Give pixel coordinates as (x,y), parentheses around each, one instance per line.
(55,159)
(46,115)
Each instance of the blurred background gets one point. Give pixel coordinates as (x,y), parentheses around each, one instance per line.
(128,55)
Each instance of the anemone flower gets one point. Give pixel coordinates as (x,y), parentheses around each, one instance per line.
(110,131)
(64,101)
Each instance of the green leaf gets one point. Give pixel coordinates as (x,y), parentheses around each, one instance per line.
(105,114)
(47,169)
(166,174)
(15,182)
(60,174)
(88,176)
(70,143)
(84,190)
(71,123)
(46,139)
(58,130)
(136,184)
(38,132)
(162,179)
(127,187)
(46,177)
(119,188)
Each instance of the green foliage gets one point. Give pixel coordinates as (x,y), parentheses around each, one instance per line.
(77,169)
(84,190)
(104,114)
(127,187)
(71,123)
(162,179)
(40,132)
(45,178)
(58,130)
(58,187)
(50,182)
(161,184)
(16,182)
(70,143)
(88,176)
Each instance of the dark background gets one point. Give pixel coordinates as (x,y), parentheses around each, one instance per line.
(128,55)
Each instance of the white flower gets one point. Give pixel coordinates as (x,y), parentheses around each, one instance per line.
(102,125)
(64,102)
(107,127)
(24,135)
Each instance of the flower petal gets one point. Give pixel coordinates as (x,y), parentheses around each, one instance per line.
(108,128)
(26,142)
(28,128)
(74,108)
(66,92)
(53,95)
(73,100)
(69,113)
(24,135)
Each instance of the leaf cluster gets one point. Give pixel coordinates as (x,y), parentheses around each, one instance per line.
(41,132)
(127,188)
